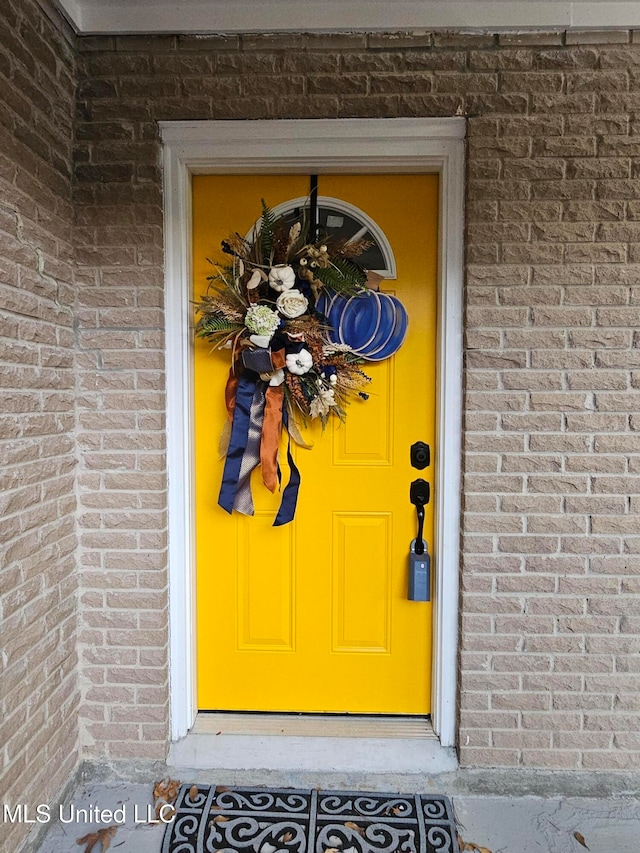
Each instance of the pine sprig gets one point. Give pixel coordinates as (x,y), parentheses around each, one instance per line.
(267,233)
(224,285)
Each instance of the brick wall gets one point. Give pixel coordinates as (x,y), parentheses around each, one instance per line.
(550,640)
(38,582)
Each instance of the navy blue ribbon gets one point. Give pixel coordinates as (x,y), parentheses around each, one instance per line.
(237,442)
(290,495)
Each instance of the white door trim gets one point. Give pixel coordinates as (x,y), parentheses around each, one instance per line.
(329,146)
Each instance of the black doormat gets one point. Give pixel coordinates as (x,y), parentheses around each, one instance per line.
(261,820)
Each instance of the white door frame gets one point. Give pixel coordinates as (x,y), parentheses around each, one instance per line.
(317,146)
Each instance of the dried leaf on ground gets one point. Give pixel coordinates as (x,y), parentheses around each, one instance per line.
(579,837)
(167,814)
(193,792)
(220,819)
(354,826)
(101,836)
(166,789)
(165,792)
(471,846)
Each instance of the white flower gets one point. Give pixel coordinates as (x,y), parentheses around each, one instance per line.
(277,378)
(322,403)
(332,378)
(292,303)
(318,409)
(261,341)
(327,395)
(299,362)
(254,281)
(261,320)
(282,277)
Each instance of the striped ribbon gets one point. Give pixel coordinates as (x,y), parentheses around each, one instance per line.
(244,499)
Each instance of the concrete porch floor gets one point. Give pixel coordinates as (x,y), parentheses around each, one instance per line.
(503,824)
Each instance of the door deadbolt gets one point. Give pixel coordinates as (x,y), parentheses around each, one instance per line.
(420,455)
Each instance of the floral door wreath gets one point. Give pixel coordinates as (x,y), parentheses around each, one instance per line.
(300,317)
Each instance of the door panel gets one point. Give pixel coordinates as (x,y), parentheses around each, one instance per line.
(313,616)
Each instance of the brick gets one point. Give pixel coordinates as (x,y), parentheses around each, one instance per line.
(566,58)
(561,359)
(400,83)
(563,190)
(535,169)
(372,61)
(530,212)
(531,83)
(344,84)
(398,40)
(617,189)
(517,701)
(496,104)
(552,758)
(599,168)
(469,82)
(603,81)
(434,105)
(500,60)
(566,105)
(454,38)
(599,37)
(531,38)
(602,125)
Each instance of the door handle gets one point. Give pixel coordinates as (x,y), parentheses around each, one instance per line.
(419,495)
(419,559)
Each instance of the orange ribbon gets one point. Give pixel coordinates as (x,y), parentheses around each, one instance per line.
(270,441)
(278,359)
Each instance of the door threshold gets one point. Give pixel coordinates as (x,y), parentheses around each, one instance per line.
(313,725)
(297,750)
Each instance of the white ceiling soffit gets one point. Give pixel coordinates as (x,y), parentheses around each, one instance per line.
(237,16)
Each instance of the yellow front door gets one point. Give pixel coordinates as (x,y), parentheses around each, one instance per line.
(314,615)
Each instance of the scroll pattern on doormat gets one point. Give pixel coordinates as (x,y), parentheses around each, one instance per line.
(284,820)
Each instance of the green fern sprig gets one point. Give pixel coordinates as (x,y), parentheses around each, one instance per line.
(214,325)
(342,276)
